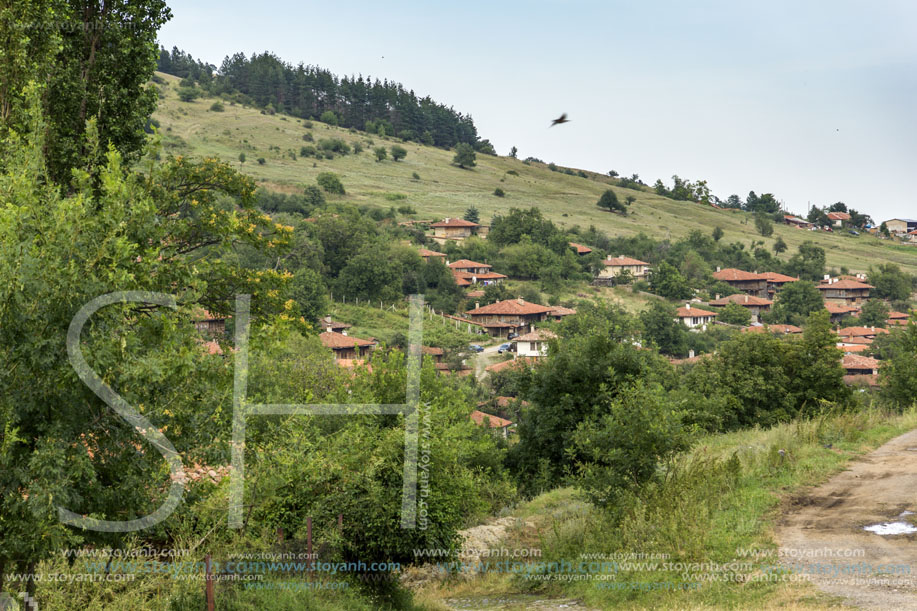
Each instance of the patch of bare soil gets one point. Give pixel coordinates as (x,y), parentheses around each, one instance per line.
(823,537)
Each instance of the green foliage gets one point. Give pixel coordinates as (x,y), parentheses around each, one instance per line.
(464,155)
(898,373)
(398,152)
(308,151)
(663,329)
(242,157)
(609,201)
(380,152)
(797,300)
(334,145)
(357,148)
(734,314)
(308,290)
(717,233)
(764,225)
(891,282)
(188,94)
(666,281)
(499,192)
(261,161)
(874,313)
(808,263)
(330,117)
(331,183)
(472,215)
(370,274)
(217,107)
(779,245)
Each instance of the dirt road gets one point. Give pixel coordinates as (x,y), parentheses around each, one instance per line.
(824,530)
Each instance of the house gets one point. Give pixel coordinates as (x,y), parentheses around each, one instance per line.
(776,329)
(212,325)
(517,363)
(468,272)
(502,425)
(475,294)
(533,343)
(911,236)
(431,255)
(330,325)
(855,364)
(580,249)
(790,219)
(511,315)
(695,317)
(755,305)
(839,311)
(345,347)
(615,266)
(847,292)
(751,283)
(897,318)
(558,313)
(433,352)
(776,281)
(870,332)
(901,226)
(456,229)
(838,218)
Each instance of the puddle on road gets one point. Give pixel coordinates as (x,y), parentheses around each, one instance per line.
(894,528)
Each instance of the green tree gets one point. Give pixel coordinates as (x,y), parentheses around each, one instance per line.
(898,374)
(764,225)
(663,329)
(371,275)
(464,155)
(513,152)
(329,117)
(734,314)
(380,153)
(666,281)
(808,263)
(794,303)
(472,215)
(330,182)
(891,282)
(779,245)
(874,313)
(242,158)
(308,290)
(717,233)
(499,192)
(399,152)
(609,201)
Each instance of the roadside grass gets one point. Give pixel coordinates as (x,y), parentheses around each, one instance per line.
(385,324)
(723,496)
(446,190)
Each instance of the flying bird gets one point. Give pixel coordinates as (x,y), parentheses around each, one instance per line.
(561,119)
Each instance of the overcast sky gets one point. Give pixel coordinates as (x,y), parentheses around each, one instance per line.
(813,101)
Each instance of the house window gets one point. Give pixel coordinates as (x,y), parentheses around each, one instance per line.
(534,347)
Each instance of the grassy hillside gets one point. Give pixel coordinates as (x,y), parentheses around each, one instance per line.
(445,190)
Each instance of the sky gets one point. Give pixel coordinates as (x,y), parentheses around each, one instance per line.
(812,101)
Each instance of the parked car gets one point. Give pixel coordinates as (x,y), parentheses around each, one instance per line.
(504,348)
(852,232)
(512,335)
(476,348)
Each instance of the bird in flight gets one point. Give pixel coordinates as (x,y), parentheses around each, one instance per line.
(561,119)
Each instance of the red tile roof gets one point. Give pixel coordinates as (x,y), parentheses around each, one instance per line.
(780,329)
(851,349)
(474,294)
(897,315)
(775,277)
(562,311)
(845,284)
(838,216)
(339,341)
(742,300)
(467,264)
(580,249)
(432,350)
(853,331)
(862,380)
(423,252)
(520,362)
(538,335)
(858,339)
(731,274)
(836,308)
(454,223)
(686,312)
(495,422)
(618,261)
(510,307)
(855,361)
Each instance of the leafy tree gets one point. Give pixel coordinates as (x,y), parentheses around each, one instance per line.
(495,292)
(764,225)
(330,182)
(838,207)
(472,215)
(883,230)
(261,160)
(380,153)
(663,329)
(314,197)
(874,313)
(898,374)
(398,152)
(513,152)
(370,274)
(499,192)
(794,303)
(808,263)
(734,314)
(217,107)
(464,155)
(308,290)
(609,201)
(241,158)
(718,233)
(666,281)
(734,202)
(330,117)
(779,245)
(891,282)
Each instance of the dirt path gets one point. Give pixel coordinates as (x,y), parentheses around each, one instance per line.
(824,530)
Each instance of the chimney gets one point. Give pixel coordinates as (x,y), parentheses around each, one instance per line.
(520,300)
(827,277)
(343,331)
(687,306)
(690,354)
(746,298)
(477,304)
(608,258)
(717,268)
(717,297)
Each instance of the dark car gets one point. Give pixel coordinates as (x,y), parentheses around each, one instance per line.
(476,348)
(512,336)
(504,348)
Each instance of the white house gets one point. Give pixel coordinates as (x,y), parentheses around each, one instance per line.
(695,317)
(533,343)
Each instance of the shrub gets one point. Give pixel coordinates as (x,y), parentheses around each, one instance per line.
(499,192)
(357,148)
(334,145)
(330,182)
(217,107)
(398,152)
(307,151)
(394,197)
(406,210)
(188,94)
(512,173)
(308,137)
(380,153)
(329,117)
(307,124)
(261,161)
(464,155)
(415,176)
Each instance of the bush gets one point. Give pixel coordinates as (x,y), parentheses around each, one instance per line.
(307,151)
(307,124)
(398,152)
(334,145)
(308,137)
(217,107)
(331,183)
(499,192)
(609,201)
(464,155)
(415,176)
(734,314)
(380,153)
(357,148)
(261,161)
(406,210)
(329,117)
(188,94)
